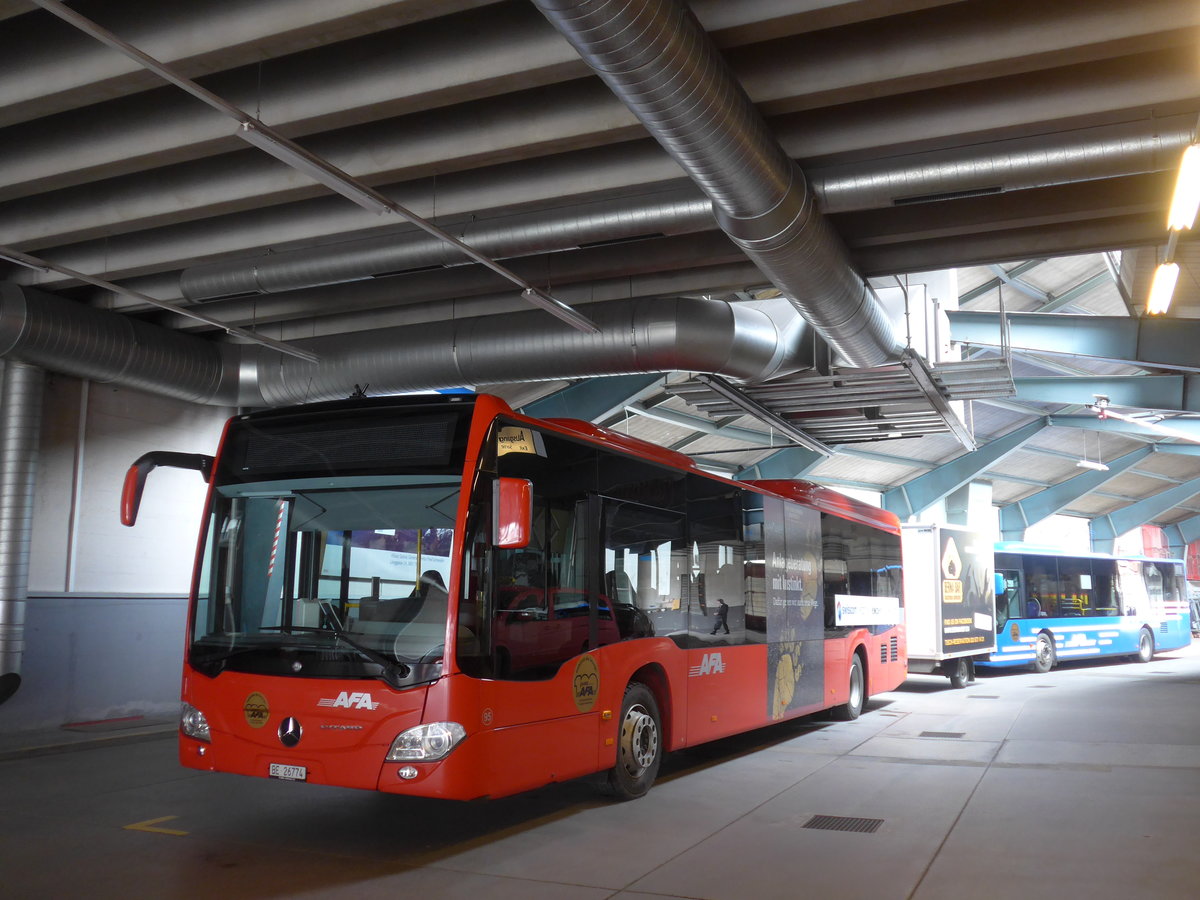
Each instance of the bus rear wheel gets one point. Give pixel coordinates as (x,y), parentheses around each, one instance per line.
(1044,656)
(1145,651)
(853,707)
(639,744)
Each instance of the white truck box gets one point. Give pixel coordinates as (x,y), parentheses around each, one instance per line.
(949,599)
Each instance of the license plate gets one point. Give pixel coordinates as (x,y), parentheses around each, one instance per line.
(288,773)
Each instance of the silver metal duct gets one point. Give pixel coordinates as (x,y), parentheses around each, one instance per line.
(64,336)
(657,58)
(1112,151)
(559,229)
(745,341)
(1105,152)
(748,342)
(20,426)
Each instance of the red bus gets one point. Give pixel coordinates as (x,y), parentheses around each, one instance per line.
(439,597)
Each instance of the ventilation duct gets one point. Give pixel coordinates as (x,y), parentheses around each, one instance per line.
(678,212)
(1112,151)
(61,335)
(21,415)
(1104,152)
(660,62)
(745,341)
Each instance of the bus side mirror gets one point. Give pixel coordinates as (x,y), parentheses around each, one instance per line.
(135,478)
(513,502)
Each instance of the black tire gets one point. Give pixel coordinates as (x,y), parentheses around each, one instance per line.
(853,707)
(1145,651)
(959,672)
(1044,656)
(639,744)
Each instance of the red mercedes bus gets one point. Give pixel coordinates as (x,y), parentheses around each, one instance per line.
(439,597)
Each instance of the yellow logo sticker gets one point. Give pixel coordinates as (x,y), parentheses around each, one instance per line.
(256,710)
(586,683)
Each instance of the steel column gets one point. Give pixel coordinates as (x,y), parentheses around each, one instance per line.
(925,490)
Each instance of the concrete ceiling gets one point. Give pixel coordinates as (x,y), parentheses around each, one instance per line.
(1029,145)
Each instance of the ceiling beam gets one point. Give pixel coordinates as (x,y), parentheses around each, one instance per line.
(1163,392)
(912,497)
(1106,529)
(1016,517)
(1020,284)
(593,399)
(1181,534)
(702,424)
(1157,341)
(1071,294)
(1189,429)
(794,462)
(988,286)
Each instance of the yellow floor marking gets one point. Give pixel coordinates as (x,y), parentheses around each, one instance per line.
(149,825)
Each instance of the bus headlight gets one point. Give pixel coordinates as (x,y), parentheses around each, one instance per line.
(193,723)
(426,743)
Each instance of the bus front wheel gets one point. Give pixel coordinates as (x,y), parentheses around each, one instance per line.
(1044,656)
(853,707)
(639,744)
(1145,651)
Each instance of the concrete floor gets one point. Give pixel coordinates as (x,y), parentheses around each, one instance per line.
(1083,783)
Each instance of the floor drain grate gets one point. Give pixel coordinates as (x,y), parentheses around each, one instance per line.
(844,823)
(943,734)
(983,696)
(1045,686)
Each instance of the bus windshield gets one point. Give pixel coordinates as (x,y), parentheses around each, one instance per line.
(328,577)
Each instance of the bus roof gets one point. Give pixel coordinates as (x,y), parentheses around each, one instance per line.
(813,495)
(1043,550)
(829,501)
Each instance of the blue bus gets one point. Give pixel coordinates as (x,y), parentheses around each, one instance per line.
(1052,605)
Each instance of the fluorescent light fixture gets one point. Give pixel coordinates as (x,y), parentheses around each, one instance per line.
(1186,199)
(1092,464)
(1162,288)
(313,166)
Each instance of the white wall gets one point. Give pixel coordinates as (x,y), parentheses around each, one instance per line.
(105,620)
(91,433)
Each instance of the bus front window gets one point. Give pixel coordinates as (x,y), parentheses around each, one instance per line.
(349,581)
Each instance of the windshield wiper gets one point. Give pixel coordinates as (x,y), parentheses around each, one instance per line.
(219,656)
(394,668)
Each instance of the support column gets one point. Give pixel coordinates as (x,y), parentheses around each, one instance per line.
(20,428)
(971,506)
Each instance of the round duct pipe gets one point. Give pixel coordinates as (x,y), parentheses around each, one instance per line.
(744,341)
(657,58)
(676,212)
(20,426)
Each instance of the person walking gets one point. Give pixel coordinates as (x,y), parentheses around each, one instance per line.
(722,617)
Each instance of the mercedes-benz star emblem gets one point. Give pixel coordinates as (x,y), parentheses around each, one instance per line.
(290,732)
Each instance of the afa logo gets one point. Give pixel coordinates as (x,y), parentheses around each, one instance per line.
(586,683)
(256,710)
(348,700)
(711,664)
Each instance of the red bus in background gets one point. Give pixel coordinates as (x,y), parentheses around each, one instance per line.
(439,597)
